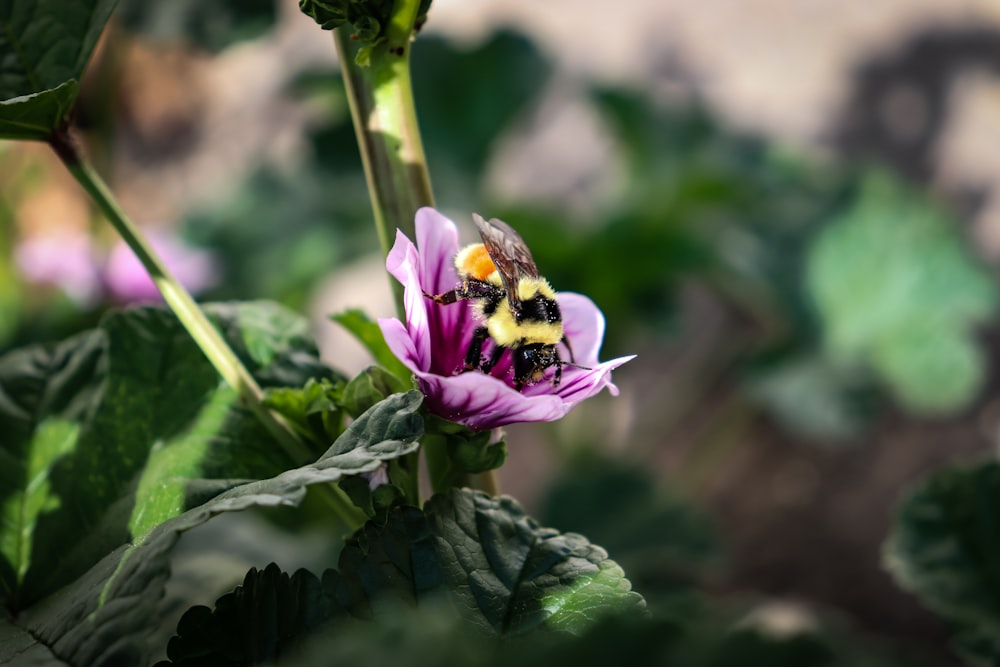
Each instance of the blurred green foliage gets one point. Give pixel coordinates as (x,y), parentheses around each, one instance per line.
(211,25)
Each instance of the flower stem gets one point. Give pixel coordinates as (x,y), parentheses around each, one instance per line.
(385,122)
(178,299)
(380,95)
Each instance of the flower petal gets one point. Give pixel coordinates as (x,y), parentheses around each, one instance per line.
(483,402)
(583,326)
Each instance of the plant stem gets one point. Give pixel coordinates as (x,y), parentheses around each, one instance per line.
(385,122)
(178,299)
(380,95)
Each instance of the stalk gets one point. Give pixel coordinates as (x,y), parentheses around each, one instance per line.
(178,299)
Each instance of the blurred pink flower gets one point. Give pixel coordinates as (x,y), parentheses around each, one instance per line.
(127,280)
(66,261)
(435,338)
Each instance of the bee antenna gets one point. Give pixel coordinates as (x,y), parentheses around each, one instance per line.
(582,368)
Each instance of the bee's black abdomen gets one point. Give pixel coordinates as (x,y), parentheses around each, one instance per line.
(539,309)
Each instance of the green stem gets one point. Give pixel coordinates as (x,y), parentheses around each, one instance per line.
(380,95)
(178,299)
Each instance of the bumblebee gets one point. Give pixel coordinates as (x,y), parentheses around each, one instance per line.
(517,307)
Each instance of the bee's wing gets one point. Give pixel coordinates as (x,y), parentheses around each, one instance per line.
(509,253)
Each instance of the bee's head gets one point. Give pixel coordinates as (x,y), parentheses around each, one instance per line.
(531,361)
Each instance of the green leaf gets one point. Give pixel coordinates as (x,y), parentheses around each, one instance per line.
(255,622)
(466,561)
(368,388)
(313,409)
(108,434)
(943,549)
(512,577)
(500,79)
(33,117)
(44,47)
(898,292)
(369,334)
(104,617)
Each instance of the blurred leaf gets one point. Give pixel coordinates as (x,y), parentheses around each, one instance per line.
(282,231)
(499,79)
(897,291)
(210,24)
(813,398)
(105,616)
(662,543)
(943,549)
(369,334)
(44,47)
(104,435)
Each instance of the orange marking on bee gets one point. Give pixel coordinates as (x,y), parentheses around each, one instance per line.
(476,262)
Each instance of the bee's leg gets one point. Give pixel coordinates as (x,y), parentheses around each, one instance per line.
(565,341)
(470,289)
(493,360)
(448,297)
(473,358)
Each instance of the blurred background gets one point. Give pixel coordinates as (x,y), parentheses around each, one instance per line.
(789,209)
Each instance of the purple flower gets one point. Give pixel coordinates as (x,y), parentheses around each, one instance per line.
(66,261)
(126,278)
(434,341)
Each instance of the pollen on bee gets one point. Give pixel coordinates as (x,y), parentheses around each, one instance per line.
(475,262)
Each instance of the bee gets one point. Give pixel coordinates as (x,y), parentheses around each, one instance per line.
(517,307)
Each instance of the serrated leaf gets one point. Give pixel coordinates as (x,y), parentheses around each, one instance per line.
(943,545)
(897,292)
(104,617)
(111,432)
(44,47)
(254,623)
(370,335)
(512,577)
(467,558)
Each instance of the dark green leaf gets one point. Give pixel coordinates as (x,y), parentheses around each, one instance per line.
(313,409)
(943,548)
(472,452)
(44,47)
(368,388)
(386,427)
(500,78)
(104,436)
(369,334)
(105,615)
(33,117)
(513,577)
(254,623)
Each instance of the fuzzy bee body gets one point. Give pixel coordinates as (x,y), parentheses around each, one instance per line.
(518,308)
